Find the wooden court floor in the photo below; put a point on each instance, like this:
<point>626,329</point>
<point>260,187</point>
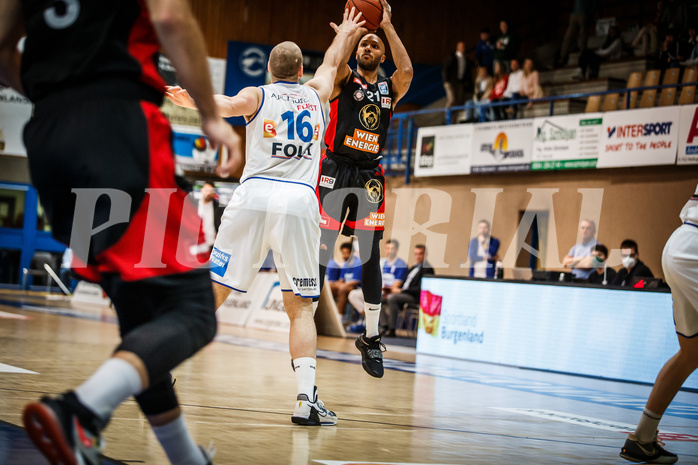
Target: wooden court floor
<point>239,393</point>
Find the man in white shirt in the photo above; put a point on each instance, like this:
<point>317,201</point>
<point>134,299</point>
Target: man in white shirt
<point>513,90</point>
<point>579,257</point>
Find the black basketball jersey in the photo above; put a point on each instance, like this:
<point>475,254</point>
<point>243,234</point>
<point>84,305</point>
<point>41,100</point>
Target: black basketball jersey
<point>360,118</point>
<point>73,42</point>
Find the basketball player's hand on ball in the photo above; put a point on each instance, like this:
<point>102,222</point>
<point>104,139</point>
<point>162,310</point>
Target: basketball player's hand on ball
<point>351,22</point>
<point>387,14</point>
<point>179,96</point>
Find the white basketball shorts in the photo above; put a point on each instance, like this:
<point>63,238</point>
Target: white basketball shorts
<point>680,264</point>
<point>269,214</point>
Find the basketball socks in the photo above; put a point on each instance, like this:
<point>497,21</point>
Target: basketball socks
<point>305,375</point>
<point>178,443</point>
<point>372,313</point>
<point>113,382</point>
<point>647,427</point>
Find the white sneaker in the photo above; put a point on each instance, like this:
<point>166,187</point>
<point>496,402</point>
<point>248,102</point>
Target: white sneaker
<point>312,413</point>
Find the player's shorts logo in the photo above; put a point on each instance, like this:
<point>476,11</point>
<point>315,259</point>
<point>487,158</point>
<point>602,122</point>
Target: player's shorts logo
<point>370,116</point>
<point>374,191</point>
<point>326,181</point>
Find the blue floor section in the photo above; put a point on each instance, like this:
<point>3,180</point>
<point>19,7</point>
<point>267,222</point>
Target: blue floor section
<point>17,449</point>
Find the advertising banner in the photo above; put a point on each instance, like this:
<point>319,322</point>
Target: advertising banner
<point>91,293</point>
<point>444,150</point>
<point>502,146</point>
<point>193,151</point>
<point>639,137</point>
<point>688,136</point>
<point>270,312</point>
<point>239,305</point>
<point>566,142</point>
<point>15,111</point>
<point>519,324</point>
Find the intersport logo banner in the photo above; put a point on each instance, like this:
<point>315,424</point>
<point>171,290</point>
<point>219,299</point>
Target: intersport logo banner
<point>639,137</point>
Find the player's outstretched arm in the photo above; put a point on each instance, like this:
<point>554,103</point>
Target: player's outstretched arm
<point>402,77</point>
<point>341,47</point>
<point>245,103</point>
<point>11,30</point>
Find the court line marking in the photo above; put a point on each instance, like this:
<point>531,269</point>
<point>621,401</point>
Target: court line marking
<point>13,316</point>
<point>592,422</point>
<point>595,396</point>
<point>10,369</point>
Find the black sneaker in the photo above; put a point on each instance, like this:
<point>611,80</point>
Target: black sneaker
<point>371,354</point>
<point>646,452</point>
<point>64,430</point>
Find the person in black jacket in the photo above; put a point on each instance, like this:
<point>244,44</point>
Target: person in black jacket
<point>602,274</point>
<point>457,74</point>
<point>411,288</point>
<point>632,266</point>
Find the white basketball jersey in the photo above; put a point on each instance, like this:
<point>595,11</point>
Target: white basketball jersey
<point>690,210</point>
<point>284,137</point>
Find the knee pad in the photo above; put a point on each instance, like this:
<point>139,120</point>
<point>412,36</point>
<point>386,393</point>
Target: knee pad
<point>158,398</point>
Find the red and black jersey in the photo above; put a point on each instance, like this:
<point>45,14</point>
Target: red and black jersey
<point>360,118</point>
<point>74,42</point>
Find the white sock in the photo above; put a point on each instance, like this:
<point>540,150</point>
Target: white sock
<point>178,443</point>
<point>114,382</point>
<point>647,427</point>
<point>372,313</point>
<point>305,375</point>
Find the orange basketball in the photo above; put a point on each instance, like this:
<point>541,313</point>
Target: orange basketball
<point>371,11</point>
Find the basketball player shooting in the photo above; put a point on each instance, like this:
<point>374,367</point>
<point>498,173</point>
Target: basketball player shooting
<point>275,206</point>
<point>351,178</point>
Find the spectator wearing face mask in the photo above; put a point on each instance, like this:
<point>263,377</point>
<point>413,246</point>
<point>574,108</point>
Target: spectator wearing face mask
<point>632,265</point>
<point>602,273</point>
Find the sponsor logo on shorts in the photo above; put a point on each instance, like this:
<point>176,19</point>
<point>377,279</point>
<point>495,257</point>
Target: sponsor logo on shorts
<point>370,116</point>
<point>219,262</point>
<point>269,128</point>
<point>305,283</point>
<point>375,220</point>
<point>374,191</point>
<point>326,181</point>
<point>362,140</point>
<point>383,88</point>
<point>324,220</point>
<point>386,102</point>
<point>359,95</point>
